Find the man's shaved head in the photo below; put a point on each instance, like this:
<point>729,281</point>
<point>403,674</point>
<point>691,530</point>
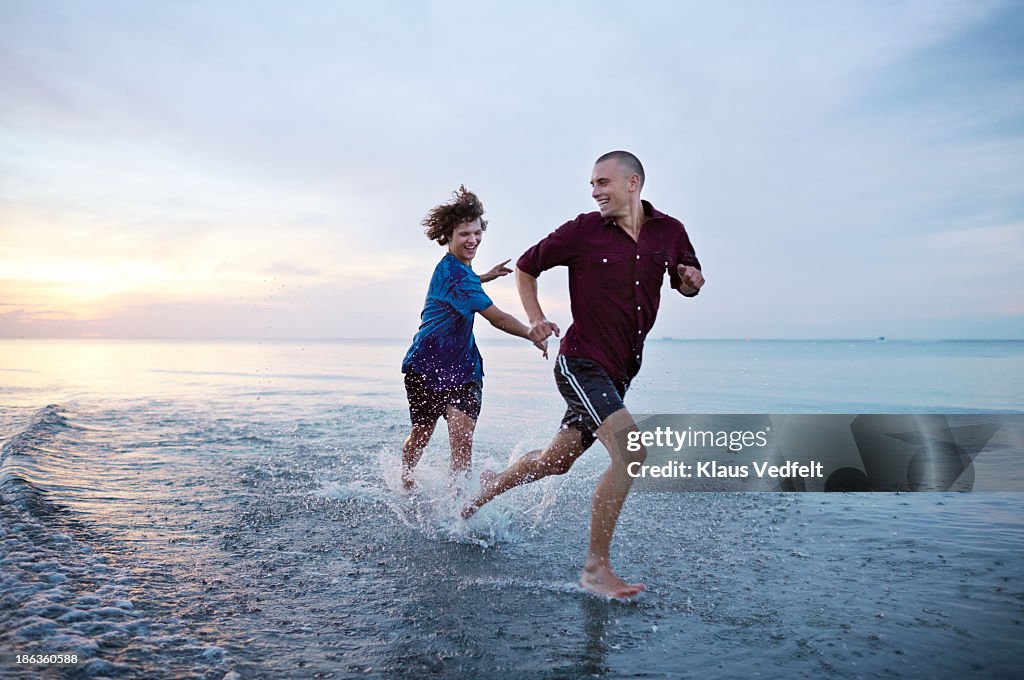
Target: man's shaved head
<point>627,160</point>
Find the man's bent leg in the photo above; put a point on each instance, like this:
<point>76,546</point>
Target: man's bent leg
<point>609,496</point>
<point>556,459</point>
<point>412,450</point>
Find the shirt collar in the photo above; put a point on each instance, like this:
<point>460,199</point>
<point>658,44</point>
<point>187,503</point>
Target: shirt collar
<point>650,210</point>
<point>456,261</point>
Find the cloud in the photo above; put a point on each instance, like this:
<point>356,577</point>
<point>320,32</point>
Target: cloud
<point>199,154</point>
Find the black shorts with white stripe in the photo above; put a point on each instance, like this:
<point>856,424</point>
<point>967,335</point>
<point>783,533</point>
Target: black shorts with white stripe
<point>592,395</point>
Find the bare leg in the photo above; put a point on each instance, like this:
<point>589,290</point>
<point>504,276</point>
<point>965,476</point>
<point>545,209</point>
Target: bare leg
<point>556,459</point>
<point>609,496</point>
<point>412,451</point>
<point>460,434</point>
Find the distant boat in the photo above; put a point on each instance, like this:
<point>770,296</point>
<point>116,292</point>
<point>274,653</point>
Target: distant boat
<point>881,338</point>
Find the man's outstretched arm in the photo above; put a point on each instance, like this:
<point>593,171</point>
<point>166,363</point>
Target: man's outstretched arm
<point>540,328</point>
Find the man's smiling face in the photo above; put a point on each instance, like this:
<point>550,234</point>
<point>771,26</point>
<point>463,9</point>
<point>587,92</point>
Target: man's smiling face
<point>612,187</point>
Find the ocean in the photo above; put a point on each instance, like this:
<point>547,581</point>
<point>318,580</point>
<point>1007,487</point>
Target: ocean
<point>232,510</point>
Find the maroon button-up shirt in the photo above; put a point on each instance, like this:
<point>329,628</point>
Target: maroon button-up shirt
<point>614,283</point>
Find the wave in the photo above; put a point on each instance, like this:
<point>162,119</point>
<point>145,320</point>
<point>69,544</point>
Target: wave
<point>18,466</point>
<point>61,590</point>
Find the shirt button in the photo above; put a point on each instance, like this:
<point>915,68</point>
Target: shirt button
<point>638,257</point>
<point>638,283</point>
<point>604,259</point>
<point>639,332</point>
<point>638,309</point>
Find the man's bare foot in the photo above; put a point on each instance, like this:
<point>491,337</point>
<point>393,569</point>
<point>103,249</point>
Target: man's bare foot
<point>601,580</point>
<point>486,486</point>
<point>408,483</point>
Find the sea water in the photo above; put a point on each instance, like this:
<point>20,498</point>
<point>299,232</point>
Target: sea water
<point>232,509</point>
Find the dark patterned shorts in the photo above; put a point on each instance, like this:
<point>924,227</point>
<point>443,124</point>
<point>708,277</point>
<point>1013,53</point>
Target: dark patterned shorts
<point>427,405</point>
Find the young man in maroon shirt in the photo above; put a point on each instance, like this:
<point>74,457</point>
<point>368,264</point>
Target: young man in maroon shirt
<point>617,259</point>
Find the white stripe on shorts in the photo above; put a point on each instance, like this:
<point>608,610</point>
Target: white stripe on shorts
<point>578,389</point>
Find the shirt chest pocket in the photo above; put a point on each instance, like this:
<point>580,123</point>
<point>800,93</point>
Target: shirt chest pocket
<point>653,266</point>
<point>607,270</point>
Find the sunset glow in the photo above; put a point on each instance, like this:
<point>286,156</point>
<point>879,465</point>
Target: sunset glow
<point>843,170</point>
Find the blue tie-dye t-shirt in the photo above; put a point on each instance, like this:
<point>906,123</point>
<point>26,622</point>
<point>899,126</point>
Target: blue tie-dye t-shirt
<point>444,350</point>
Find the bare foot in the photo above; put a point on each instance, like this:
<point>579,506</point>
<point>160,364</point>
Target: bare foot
<point>601,580</point>
<point>486,486</point>
<point>408,483</point>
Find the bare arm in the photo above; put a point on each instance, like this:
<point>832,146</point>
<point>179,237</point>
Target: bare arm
<point>504,321</point>
<point>540,328</point>
<point>495,272</point>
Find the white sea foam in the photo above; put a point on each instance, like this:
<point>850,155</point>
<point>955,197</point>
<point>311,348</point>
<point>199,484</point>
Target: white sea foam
<point>46,599</point>
<point>433,507</point>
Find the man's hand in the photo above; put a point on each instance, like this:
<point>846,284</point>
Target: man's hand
<point>496,271</point>
<point>543,347</point>
<point>692,279</point>
<point>541,330</point>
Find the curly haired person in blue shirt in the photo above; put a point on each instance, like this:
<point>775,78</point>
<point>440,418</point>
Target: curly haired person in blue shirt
<point>443,368</point>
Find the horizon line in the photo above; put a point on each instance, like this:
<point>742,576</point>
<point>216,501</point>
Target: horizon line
<point>503,340</point>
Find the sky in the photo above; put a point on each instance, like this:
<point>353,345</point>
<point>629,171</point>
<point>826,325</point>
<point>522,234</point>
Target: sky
<point>260,169</point>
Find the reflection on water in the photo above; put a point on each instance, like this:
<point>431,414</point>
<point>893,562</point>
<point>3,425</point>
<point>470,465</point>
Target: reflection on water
<point>189,509</point>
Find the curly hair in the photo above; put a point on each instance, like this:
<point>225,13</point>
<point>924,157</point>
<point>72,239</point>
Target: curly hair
<point>441,221</point>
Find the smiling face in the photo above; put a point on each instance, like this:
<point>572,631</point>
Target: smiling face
<point>465,240</point>
<point>613,188</point>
